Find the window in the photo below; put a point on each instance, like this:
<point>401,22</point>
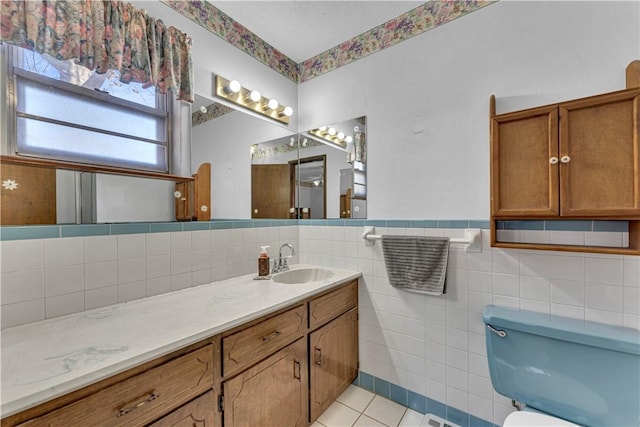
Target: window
<point>64,111</point>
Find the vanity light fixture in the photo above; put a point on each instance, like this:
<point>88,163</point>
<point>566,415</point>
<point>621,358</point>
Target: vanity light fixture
<point>332,135</point>
<point>252,100</point>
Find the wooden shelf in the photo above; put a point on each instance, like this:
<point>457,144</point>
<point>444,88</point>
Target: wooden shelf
<point>45,163</point>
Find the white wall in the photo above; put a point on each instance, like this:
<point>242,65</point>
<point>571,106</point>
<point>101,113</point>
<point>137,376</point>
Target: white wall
<point>426,99</point>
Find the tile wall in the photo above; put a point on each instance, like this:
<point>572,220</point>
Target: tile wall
<point>429,351</point>
<point>44,278</point>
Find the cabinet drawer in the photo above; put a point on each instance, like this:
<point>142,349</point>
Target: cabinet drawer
<point>331,305</point>
<point>199,413</point>
<point>250,345</point>
<point>140,399</point>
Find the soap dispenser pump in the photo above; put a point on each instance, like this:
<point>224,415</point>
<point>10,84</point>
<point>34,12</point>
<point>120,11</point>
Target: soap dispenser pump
<point>263,262</point>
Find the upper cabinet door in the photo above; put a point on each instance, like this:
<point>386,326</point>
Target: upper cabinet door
<point>600,156</point>
<point>524,163</point>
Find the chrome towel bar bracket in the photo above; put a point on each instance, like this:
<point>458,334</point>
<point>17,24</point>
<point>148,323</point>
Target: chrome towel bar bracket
<point>472,239</point>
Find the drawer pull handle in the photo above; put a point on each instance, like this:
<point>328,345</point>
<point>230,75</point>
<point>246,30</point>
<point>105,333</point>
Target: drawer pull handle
<point>269,337</point>
<point>124,411</point>
<point>296,369</point>
<point>553,160</point>
<point>318,356</point>
<point>565,159</point>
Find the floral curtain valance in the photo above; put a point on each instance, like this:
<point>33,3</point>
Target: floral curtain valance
<point>103,35</point>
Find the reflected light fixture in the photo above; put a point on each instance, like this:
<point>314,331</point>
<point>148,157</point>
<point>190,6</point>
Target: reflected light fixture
<point>252,100</point>
<point>332,135</point>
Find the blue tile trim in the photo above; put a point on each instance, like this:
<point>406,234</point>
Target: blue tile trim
<point>85,230</point>
<point>568,225</point>
<point>29,232</point>
<point>615,226</point>
<point>77,230</point>
<point>418,402</point>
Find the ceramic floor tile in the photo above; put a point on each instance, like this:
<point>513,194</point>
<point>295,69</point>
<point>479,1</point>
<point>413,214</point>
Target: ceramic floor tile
<point>385,411</point>
<point>338,415</point>
<point>356,398</point>
<point>411,419</point>
<point>365,421</point>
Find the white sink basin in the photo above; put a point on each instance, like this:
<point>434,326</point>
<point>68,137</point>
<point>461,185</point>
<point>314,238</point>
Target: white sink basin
<point>303,275</point>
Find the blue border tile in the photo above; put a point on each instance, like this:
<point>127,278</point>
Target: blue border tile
<point>381,387</point>
<point>220,225</point>
<point>399,223</point>
<point>457,416</point>
<point>417,402</point>
<point>366,381</point>
<point>398,394</point>
<point>29,232</point>
<point>453,223</point>
<point>423,223</point>
<point>85,230</point>
<point>354,222</point>
<point>614,226</point>
<point>479,422</point>
<point>569,225</point>
<point>375,222</point>
<point>164,227</point>
<point>335,222</point>
<point>137,228</point>
<point>195,226</point>
<point>475,223</point>
<point>436,408</point>
<point>243,224</point>
<point>522,225</point>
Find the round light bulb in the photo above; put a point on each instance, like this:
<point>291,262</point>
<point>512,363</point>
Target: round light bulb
<point>292,141</point>
<point>288,111</point>
<point>340,135</point>
<point>235,86</point>
<point>332,131</point>
<point>349,139</point>
<point>272,104</point>
<point>323,128</point>
<point>203,109</point>
<point>255,96</point>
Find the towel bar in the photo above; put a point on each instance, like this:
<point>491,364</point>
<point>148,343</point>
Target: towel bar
<point>473,238</point>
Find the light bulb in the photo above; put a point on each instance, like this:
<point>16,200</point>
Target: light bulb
<point>234,86</point>
<point>349,139</point>
<point>272,104</point>
<point>288,111</point>
<point>332,131</point>
<point>340,135</point>
<point>322,128</point>
<point>203,109</point>
<point>255,96</point>
<point>292,141</point>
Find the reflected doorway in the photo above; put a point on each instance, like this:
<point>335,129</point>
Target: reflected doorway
<point>312,190</point>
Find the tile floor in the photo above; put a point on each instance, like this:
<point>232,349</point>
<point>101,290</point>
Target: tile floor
<point>359,407</point>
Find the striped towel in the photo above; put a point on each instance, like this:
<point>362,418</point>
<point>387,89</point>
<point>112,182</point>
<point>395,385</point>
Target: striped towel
<point>416,263</point>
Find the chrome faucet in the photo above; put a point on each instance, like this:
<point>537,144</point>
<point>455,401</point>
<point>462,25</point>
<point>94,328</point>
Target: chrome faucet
<point>282,265</point>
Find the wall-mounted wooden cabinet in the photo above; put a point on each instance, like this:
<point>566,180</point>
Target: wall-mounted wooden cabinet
<point>573,160</point>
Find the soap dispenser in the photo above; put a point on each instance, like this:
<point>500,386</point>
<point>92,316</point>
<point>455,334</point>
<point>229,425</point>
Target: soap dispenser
<point>263,262</point>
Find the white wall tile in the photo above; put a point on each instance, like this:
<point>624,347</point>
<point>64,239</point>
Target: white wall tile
<point>131,245</point>
<point>604,297</point>
<point>131,291</point>
<point>158,244</point>
<point>21,255</point>
<point>100,297</point>
<point>22,286</point>
<point>67,251</point>
<point>158,285</point>
<point>180,262</point>
<point>567,292</point>
<point>63,280</point>
<point>604,270</point>
<point>22,312</point>
<point>631,271</point>
<point>506,285</point>
<point>158,266</point>
<point>566,267</point>
<point>64,304</point>
<point>131,270</point>
<point>200,240</point>
<point>536,288</point>
<point>180,242</point>
<point>180,281</point>
<point>100,248</point>
<point>100,274</point>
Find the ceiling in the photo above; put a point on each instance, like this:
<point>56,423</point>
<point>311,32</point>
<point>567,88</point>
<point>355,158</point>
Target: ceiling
<point>303,29</point>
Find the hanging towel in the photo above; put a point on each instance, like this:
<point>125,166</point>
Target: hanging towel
<point>416,263</point>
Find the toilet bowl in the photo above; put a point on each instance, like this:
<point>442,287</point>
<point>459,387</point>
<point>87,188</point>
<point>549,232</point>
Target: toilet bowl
<point>534,419</point>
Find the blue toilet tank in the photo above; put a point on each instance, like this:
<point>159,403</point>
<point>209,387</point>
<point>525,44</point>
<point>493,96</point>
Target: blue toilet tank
<point>584,372</point>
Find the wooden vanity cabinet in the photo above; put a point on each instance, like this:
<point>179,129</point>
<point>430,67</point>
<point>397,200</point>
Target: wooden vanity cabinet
<point>333,346</point>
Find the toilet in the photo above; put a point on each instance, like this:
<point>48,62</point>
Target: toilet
<point>563,371</point>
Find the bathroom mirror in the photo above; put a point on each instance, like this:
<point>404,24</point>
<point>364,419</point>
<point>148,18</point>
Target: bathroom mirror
<point>318,174</point>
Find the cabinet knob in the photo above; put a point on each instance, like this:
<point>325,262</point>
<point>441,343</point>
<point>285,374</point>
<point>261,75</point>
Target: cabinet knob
<point>565,159</point>
<point>553,160</point>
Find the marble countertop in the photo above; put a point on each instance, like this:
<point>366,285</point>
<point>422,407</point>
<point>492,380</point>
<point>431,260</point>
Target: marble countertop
<point>47,359</point>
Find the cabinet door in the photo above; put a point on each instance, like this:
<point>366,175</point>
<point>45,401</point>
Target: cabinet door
<point>524,172</point>
<point>198,413</point>
<point>272,393</point>
<point>333,360</point>
<point>600,156</point>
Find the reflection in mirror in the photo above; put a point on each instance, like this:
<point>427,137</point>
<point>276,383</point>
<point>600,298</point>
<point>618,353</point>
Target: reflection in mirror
<point>344,184</point>
<point>224,137</point>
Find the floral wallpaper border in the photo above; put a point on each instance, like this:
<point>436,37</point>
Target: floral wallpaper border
<point>425,17</point>
<point>214,110</point>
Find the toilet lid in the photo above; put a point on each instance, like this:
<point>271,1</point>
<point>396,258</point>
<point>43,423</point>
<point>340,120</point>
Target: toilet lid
<point>534,419</point>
